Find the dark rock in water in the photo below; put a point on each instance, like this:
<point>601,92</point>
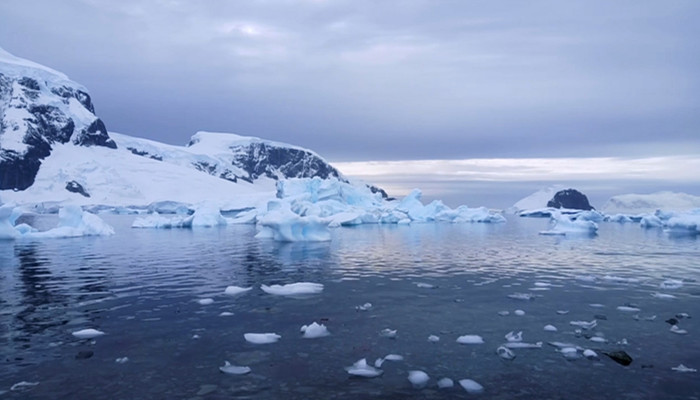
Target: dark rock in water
<point>621,357</point>
<point>672,321</point>
<point>570,198</point>
<point>75,187</point>
<point>83,355</point>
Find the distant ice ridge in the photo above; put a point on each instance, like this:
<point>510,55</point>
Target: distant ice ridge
<point>564,225</point>
<point>205,215</point>
<point>72,222</point>
<point>635,204</point>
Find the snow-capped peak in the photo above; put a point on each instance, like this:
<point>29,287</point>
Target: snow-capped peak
<point>19,66</point>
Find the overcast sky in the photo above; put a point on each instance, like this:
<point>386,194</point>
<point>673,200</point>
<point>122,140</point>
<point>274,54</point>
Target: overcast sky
<point>360,80</point>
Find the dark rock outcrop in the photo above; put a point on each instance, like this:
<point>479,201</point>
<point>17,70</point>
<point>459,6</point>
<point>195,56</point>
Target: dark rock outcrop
<point>75,187</point>
<point>571,199</point>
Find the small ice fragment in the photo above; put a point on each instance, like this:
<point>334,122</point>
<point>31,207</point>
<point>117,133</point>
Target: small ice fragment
<point>445,383</point>
<point>596,305</point>
<point>205,302</point>
<point>225,314</point>
<point>195,336</point>
<point>522,345</point>
<point>503,313</point>
<point>542,284</point>
<point>671,284</point>
<point>663,295</point>
<point>261,338</point>
<point>293,289</point>
<point>682,315</point>
<point>590,354</point>
<point>623,342</point>
<point>234,369</point>
<point>514,337</point>
<point>393,357</point>
<point>364,307</point>
<point>570,353</point>
<point>561,345</point>
<point>471,386</point>
<point>424,285</point>
<point>675,329</point>
<point>550,328</point>
<point>234,290</point>
<point>521,296</point>
<point>637,317</point>
<point>433,338</point>
<point>505,353</point>
<point>121,360</point>
<point>562,312</point>
<point>418,378</point>
<point>87,333</point>
<point>314,331</point>
<point>598,339</point>
<point>24,385</point>
<point>584,324</point>
<point>628,309</point>
<point>360,368</point>
<point>470,339</point>
<point>388,333</point>
<point>519,313</point>
<point>378,362</point>
<point>683,368</point>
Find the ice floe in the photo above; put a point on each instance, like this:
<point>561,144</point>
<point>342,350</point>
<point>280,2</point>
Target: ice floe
<point>87,333</point>
<point>225,314</point>
<point>505,353</point>
<point>445,383</point>
<point>683,368</point>
<point>433,338</point>
<point>471,386</point>
<point>514,337</point>
<point>205,302</point>
<point>236,290</point>
<point>470,339</point>
<point>364,307</point>
<point>671,284</point>
<point>262,338</point>
<point>628,309</point>
<point>361,368</point>
<point>234,369</point>
<point>550,328</point>
<point>522,296</point>
<point>675,329</point>
<point>585,324</point>
<point>663,295</point>
<point>388,333</point>
<point>418,378</point>
<point>21,386</point>
<point>293,289</point>
<point>519,313</point>
<point>590,354</point>
<point>314,331</point>
<point>122,360</point>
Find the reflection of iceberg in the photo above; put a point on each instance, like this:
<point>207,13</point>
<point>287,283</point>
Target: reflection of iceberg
<point>72,222</point>
<point>563,225</point>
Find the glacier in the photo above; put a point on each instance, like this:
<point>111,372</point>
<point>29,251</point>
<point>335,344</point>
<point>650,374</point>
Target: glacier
<point>72,222</point>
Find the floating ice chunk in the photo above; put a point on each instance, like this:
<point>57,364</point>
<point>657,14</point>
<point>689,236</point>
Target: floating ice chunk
<point>503,313</point>
<point>671,284</point>
<point>550,328</point>
<point>514,337</point>
<point>433,338</point>
<point>637,317</point>
<point>235,290</point>
<point>87,333</point>
<point>682,315</point>
<point>314,331</point>
<point>225,314</point>
<point>628,309</point>
<point>585,324</point>
<point>519,313</point>
<point>663,295</point>
<point>521,296</point>
<point>388,333</point>
<point>505,353</point>
<point>293,289</point>
<point>470,339</point>
<point>234,369</point>
<point>523,345</point>
<point>564,225</point>
<point>196,337</point>
<point>675,329</point>
<point>683,368</point>
<point>206,302</point>
<point>561,345</point>
<point>596,305</point>
<point>445,383</point>
<point>570,353</point>
<point>389,357</point>
<point>623,342</point>
<point>360,368</point>
<point>542,284</point>
<point>471,386</point>
<point>262,338</point>
<point>562,312</point>
<point>418,378</point>
<point>121,360</point>
<point>157,221</point>
<point>590,354</point>
<point>207,215</point>
<point>364,307</point>
<point>424,285</point>
<point>283,225</point>
<point>598,339</point>
<point>24,385</point>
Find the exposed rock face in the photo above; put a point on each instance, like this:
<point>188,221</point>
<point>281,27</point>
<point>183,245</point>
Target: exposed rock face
<point>571,199</point>
<point>40,107</point>
<point>75,187</point>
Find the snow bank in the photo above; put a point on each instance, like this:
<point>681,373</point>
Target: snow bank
<point>564,225</point>
<point>72,222</point>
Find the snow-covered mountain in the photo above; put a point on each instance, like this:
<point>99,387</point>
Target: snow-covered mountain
<point>648,203</point>
<point>54,149</point>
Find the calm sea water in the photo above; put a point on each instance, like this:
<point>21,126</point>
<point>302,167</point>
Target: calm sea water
<point>141,288</point>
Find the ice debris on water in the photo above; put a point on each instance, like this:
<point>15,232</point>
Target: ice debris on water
<point>550,328</point>
<point>470,339</point>
<point>628,309</point>
<point>433,338</point>
<point>503,313</point>
<point>234,369</point>
<point>235,290</point>
<point>293,289</point>
<point>663,295</point>
<point>683,368</point>
<point>388,333</point>
<point>418,378</point>
<point>584,324</point>
<point>226,314</point>
<point>521,296</point>
<point>675,329</point>
<point>360,368</point>
<point>262,338</point>
<point>87,333</point>
<point>671,284</point>
<point>121,360</point>
<point>364,307</point>
<point>471,386</point>
<point>514,337</point>
<point>519,313</point>
<point>562,312</point>
<point>205,302</point>
<point>24,385</point>
<point>389,357</point>
<point>523,345</point>
<point>590,354</point>
<point>314,331</point>
<point>424,285</point>
<point>598,339</point>
<point>445,383</point>
<point>570,353</point>
<point>505,353</point>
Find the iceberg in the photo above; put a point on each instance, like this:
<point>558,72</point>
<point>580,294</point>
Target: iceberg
<point>262,338</point>
<point>205,215</point>
<point>360,368</point>
<point>283,225</point>
<point>470,339</point>
<point>72,222</point>
<point>418,378</point>
<point>314,331</point>
<point>445,383</point>
<point>87,333</point>
<point>471,386</point>
<point>563,225</point>
<point>293,289</point>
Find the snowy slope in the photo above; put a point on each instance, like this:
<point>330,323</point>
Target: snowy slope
<point>648,203</point>
<point>536,200</point>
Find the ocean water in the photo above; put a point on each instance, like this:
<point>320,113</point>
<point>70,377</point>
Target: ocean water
<point>141,287</point>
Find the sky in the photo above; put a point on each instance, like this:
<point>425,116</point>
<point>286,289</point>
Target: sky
<point>413,86</point>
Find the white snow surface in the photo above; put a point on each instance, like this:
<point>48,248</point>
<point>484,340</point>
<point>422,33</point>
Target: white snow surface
<point>536,200</point>
<point>293,289</point>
